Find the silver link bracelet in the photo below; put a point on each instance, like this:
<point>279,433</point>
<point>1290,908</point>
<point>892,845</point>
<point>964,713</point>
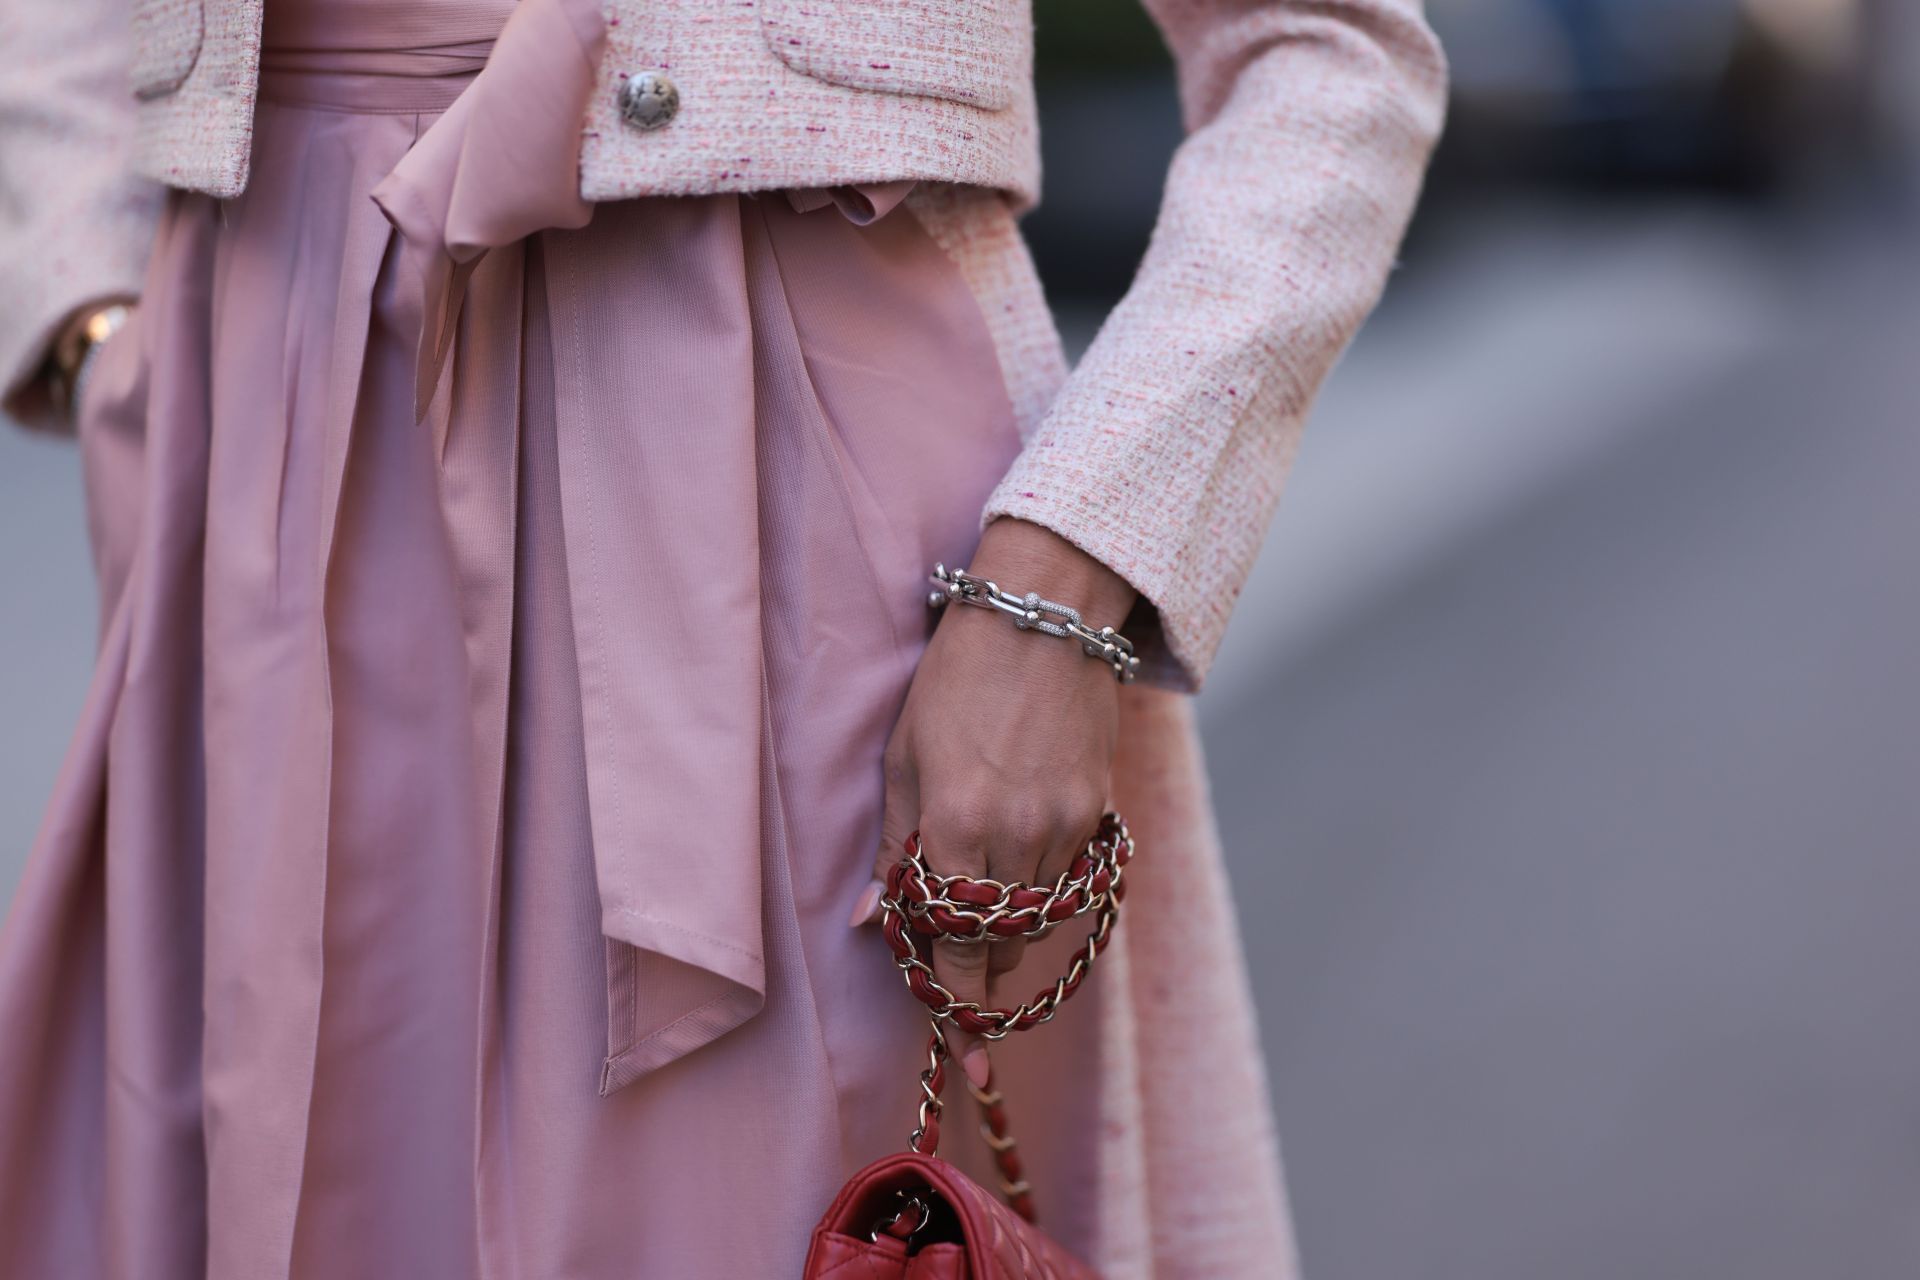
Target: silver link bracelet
<point>1031,613</point>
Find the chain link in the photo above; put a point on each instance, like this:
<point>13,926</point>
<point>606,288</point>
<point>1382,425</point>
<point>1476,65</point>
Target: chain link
<point>1032,613</point>
<point>920,907</point>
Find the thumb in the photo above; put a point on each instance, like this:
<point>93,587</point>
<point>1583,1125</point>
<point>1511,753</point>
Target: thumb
<point>899,815</point>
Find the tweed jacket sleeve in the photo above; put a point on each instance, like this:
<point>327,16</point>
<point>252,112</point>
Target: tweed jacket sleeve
<point>1309,125</point>
<point>75,224</point>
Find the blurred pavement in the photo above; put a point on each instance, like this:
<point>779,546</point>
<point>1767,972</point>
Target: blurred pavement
<point>1575,830</point>
<point>1565,746</point>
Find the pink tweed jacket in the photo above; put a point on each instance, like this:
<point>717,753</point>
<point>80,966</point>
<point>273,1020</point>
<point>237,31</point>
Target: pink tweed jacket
<point>1162,455</point>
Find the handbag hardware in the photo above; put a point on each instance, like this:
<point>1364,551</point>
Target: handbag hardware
<point>920,907</point>
<point>913,1213</point>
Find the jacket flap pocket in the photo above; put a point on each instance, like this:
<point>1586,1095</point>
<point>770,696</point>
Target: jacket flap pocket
<point>166,44</point>
<point>971,51</point>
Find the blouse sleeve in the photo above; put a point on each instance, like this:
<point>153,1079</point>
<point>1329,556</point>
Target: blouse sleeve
<point>76,225</point>
<point>1309,126</point>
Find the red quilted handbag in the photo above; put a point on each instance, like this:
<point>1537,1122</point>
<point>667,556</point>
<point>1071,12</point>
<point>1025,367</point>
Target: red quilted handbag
<point>913,1216</point>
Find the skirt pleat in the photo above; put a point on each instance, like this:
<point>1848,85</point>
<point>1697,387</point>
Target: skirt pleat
<point>312,950</point>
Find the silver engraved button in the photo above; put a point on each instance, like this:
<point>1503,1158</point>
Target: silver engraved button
<point>649,100</point>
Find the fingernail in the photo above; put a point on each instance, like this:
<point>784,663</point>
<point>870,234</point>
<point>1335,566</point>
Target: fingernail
<point>867,909</point>
<point>978,1066</point>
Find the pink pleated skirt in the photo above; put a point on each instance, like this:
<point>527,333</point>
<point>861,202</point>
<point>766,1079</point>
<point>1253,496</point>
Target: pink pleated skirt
<point>309,974</point>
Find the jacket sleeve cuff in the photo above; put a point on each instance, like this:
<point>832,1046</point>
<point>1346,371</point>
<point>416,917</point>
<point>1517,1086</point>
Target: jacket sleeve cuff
<point>1187,591</point>
<point>1144,626</point>
<point>62,266</point>
<point>26,341</point>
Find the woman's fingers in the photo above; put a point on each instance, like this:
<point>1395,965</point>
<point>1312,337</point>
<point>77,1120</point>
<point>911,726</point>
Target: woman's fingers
<point>1028,839</point>
<point>899,815</point>
<point>1065,826</point>
<point>957,830</point>
<point>962,969</point>
<point>1003,958</point>
<point>1015,811</point>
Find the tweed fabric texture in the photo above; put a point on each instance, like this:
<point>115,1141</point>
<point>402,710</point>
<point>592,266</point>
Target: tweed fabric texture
<point>1190,1165</point>
<point>748,120</point>
<point>1189,1162</point>
<point>76,226</point>
<point>969,52</point>
<point>978,229</point>
<point>1164,454</point>
<point>199,135</point>
<point>166,44</point>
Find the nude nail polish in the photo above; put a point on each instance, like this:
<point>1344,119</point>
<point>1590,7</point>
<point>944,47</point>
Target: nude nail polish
<point>978,1066</point>
<point>867,908</point>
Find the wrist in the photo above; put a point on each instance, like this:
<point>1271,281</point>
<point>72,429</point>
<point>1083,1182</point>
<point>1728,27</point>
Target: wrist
<point>84,332</point>
<point>1023,556</point>
<point>86,328</point>
<point>1046,585</point>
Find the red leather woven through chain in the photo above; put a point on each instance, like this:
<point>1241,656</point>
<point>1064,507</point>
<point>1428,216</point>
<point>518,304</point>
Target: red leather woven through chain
<point>922,908</point>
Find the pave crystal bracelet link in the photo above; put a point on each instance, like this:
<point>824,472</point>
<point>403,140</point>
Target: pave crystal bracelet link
<point>1031,613</point>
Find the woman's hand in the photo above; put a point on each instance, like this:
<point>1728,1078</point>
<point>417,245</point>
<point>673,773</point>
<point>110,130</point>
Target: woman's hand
<point>1002,753</point>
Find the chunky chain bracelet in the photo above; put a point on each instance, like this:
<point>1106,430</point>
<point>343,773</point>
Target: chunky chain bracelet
<point>1030,612</point>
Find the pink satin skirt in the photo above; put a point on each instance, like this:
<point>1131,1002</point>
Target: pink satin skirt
<point>311,972</point>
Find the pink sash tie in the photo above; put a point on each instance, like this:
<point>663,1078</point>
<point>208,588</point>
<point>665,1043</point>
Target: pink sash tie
<point>669,651</point>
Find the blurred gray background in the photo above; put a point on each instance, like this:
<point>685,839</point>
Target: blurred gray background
<point>1567,741</point>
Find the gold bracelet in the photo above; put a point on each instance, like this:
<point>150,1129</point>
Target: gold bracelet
<point>73,353</point>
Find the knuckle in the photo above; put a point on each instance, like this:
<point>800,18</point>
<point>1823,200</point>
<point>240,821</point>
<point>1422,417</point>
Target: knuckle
<point>1019,844</point>
<point>1008,833</point>
<point>1084,805</point>
<point>1026,827</point>
<point>963,824</point>
<point>1032,828</point>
